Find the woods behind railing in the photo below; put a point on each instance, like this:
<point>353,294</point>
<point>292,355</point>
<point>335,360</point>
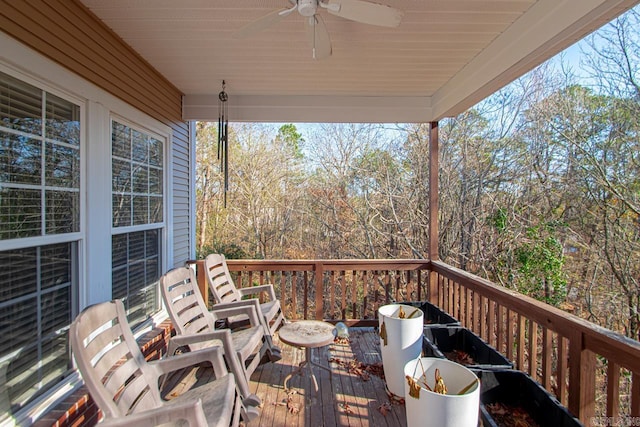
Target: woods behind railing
<point>591,370</point>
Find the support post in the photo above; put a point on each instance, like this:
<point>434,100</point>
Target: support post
<point>433,208</point>
<point>433,190</point>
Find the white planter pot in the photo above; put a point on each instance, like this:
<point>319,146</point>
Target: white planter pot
<point>442,410</point>
<point>403,342</point>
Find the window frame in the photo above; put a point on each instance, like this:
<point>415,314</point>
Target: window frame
<point>162,226</point>
<point>75,238</point>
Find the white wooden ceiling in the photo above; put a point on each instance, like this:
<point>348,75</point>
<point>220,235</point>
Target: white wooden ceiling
<point>445,56</point>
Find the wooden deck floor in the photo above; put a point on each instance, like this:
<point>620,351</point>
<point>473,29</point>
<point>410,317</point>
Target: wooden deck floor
<point>346,400</point>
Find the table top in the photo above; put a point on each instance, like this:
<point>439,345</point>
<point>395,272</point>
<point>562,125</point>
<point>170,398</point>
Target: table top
<point>307,333</point>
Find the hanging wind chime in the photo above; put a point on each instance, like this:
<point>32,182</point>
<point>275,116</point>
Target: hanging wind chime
<point>223,141</point>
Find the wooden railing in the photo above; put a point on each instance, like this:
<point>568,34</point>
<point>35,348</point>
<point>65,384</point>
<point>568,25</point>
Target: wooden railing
<point>593,371</point>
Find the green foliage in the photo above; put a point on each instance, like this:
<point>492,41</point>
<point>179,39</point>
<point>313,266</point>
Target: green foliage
<point>539,262</point>
<point>229,250</point>
<point>499,219</point>
<point>289,135</point>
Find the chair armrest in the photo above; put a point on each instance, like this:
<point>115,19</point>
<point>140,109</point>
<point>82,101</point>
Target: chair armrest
<point>165,365</point>
<point>211,353</point>
<point>249,310</point>
<point>252,290</point>
<point>190,411</point>
<point>223,335</point>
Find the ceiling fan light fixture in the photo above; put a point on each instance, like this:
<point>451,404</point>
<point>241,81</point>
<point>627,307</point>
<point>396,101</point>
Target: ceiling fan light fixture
<point>307,7</point>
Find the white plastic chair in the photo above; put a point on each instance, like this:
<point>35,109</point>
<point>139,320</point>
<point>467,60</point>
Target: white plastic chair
<point>227,295</point>
<point>125,385</point>
<point>195,328</point>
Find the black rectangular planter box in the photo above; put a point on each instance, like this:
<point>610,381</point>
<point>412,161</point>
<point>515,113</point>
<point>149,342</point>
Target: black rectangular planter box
<point>517,389</point>
<point>433,315</point>
<point>445,341</point>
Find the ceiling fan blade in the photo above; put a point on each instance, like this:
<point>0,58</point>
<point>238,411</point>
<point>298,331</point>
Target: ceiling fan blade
<point>318,37</point>
<point>365,12</point>
<point>262,23</point>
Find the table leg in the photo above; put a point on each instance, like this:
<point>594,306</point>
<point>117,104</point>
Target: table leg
<point>307,362</point>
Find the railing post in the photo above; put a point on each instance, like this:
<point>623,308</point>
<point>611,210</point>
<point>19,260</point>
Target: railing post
<point>433,191</point>
<point>582,379</point>
<point>319,276</point>
<point>200,278</point>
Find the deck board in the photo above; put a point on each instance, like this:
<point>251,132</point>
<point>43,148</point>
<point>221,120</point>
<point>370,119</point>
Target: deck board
<point>327,408</point>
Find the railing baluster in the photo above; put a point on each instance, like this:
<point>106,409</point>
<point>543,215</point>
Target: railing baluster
<point>635,394</point>
<point>522,331</point>
<point>533,349</point>
<point>613,389</point>
<point>500,331</point>
<point>510,321</point>
<point>305,303</point>
<point>365,294</point>
<point>283,292</point>
<point>319,290</point>
<point>332,293</point>
<point>354,295</point>
<point>483,318</point>
<point>547,352</point>
<point>561,371</point>
<point>491,323</point>
<point>343,289</point>
<point>294,302</point>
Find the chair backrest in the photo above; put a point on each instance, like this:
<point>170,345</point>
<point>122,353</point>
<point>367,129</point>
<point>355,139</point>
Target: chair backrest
<point>110,361</point>
<point>184,302</point>
<point>219,279</point>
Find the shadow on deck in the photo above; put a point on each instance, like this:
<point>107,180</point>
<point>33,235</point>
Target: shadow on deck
<point>346,400</point>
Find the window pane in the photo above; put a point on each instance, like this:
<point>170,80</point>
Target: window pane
<point>140,179</point>
<point>121,176</point>
<point>20,213</point>
<point>155,209</point>
<point>140,147</point>
<point>19,324</point>
<point>62,120</point>
<point>155,181</point>
<point>20,159</point>
<point>20,105</point>
<point>120,285</point>
<point>119,250</point>
<point>155,152</point>
<point>135,280</point>
<point>140,210</point>
<point>121,140</point>
<point>62,166</point>
<point>136,246</point>
<point>121,210</point>
<point>62,212</point>
<point>56,310</point>
<point>55,263</point>
<point>18,273</point>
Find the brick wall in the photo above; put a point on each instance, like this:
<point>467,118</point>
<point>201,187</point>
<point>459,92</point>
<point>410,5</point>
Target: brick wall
<point>79,409</point>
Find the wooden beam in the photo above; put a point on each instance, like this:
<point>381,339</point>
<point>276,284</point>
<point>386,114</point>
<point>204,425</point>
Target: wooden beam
<point>433,190</point>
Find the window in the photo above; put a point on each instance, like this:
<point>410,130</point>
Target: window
<point>137,177</point>
<point>39,234</point>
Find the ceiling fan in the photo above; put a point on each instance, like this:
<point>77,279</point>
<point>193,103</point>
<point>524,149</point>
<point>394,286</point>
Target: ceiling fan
<point>354,10</point>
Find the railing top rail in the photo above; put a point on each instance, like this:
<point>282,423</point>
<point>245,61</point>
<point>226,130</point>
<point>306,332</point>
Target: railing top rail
<point>329,264</point>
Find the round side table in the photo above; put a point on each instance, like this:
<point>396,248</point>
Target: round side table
<point>307,334</point>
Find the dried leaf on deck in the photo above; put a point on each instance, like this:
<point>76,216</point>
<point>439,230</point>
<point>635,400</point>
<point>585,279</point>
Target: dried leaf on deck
<point>384,408</point>
<point>347,408</point>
